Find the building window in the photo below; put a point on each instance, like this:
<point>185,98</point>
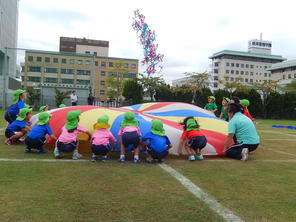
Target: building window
<point>87,62</point>
<point>251,73</point>
<point>242,72</point>
<point>251,80</point>
<point>231,79</point>
<point>215,85</point>
<point>269,75</point>
<point>110,64</point>
<point>247,65</point>
<point>50,70</point>
<point>227,71</point>
<point>39,59</point>
<point>232,71</point>
<point>251,66</point>
<point>55,60</point>
<point>247,73</point>
<point>103,73</point>
<point>102,82</point>
<point>87,52</point>
<point>51,80</point>
<point>47,59</point>
<point>237,72</point>
<point>216,71</point>
<point>134,66</point>
<point>227,63</point>
<point>102,92</point>
<point>68,81</point>
<point>96,63</point>
<point>103,64</point>
<point>284,77</point>
<point>265,67</point>
<point>216,64</point>
<point>265,74</point>
<point>237,65</point>
<point>232,64</point>
<point>82,82</point>
<point>295,75</point>
<point>72,61</point>
<point>95,53</point>
<point>83,72</point>
<point>34,69</point>
<point>242,65</point>
<point>33,79</point>
<point>246,80</point>
<point>30,58</point>
<point>215,77</point>
<point>64,61</point>
<point>126,65</point>
<point>67,71</point>
<point>289,76</point>
<point>79,62</point>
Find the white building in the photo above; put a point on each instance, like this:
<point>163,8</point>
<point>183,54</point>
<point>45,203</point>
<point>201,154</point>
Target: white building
<point>245,67</point>
<point>8,40</point>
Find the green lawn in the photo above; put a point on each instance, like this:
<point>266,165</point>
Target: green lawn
<point>261,189</point>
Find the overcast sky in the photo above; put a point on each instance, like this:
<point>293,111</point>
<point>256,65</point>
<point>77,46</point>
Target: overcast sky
<point>188,32</point>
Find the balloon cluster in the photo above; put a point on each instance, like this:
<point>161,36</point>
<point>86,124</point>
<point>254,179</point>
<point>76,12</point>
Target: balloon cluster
<point>152,59</point>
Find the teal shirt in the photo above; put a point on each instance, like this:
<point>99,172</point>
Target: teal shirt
<point>244,129</point>
<point>211,106</point>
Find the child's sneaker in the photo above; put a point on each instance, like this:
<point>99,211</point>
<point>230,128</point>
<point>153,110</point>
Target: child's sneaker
<point>105,159</point>
<point>42,151</point>
<point>245,154</point>
<point>121,160</point>
<point>93,159</point>
<point>199,157</point>
<point>27,150</point>
<point>57,153</point>
<point>137,161</point>
<point>22,139</point>
<point>75,157</point>
<point>191,158</point>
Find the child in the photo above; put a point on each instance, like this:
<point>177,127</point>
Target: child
<point>67,141</point>
<point>245,103</point>
<point>224,113</point>
<point>37,136</point>
<point>211,106</point>
<point>101,139</point>
<point>129,134</point>
<point>19,127</point>
<point>43,108</point>
<point>17,104</point>
<point>196,139</point>
<point>157,142</point>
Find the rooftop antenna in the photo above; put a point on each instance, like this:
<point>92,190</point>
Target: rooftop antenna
<point>261,36</point>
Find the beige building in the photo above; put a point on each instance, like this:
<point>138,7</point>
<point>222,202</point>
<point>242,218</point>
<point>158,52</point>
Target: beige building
<point>245,67</point>
<point>285,71</point>
<point>73,71</point>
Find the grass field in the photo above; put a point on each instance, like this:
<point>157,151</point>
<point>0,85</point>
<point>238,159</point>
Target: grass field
<point>261,189</point>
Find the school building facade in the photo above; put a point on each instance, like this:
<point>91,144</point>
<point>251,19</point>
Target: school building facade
<point>284,72</point>
<point>46,70</point>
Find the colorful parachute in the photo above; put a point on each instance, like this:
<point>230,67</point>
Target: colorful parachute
<point>170,113</point>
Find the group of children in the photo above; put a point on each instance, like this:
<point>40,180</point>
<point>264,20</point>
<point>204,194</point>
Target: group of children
<point>102,141</point>
<point>212,107</point>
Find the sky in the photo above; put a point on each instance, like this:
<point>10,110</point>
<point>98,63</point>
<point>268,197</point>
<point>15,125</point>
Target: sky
<point>187,31</point>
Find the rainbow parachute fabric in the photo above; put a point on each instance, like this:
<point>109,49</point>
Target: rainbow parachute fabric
<point>170,113</point>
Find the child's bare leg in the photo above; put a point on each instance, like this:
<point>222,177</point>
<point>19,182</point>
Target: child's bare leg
<point>136,154</point>
<point>188,149</point>
<point>17,135</point>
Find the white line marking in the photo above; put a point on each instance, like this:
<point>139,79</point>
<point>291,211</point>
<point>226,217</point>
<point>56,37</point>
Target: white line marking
<point>227,214</point>
<point>293,140</point>
<point>281,152</point>
<point>41,160</point>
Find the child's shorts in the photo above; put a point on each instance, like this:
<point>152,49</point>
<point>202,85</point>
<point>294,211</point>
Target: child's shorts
<point>67,147</point>
<point>9,133</point>
<point>131,138</point>
<point>198,142</point>
<point>35,143</point>
<point>9,117</point>
<point>157,155</point>
<point>100,149</point>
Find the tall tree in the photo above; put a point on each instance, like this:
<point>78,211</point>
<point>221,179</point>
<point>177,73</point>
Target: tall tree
<point>150,84</point>
<point>133,91</point>
<point>231,86</point>
<point>60,96</point>
<point>116,80</point>
<point>291,87</point>
<point>33,97</point>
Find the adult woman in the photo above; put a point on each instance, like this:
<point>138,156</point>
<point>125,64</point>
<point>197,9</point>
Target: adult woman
<point>245,132</point>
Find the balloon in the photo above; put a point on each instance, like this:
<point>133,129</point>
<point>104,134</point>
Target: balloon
<point>170,113</point>
<point>147,38</point>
